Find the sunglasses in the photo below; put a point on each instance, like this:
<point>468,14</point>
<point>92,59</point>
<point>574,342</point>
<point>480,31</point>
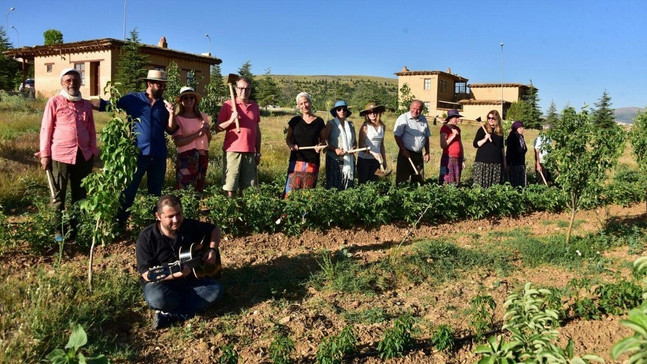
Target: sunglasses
<point>188,97</point>
<point>491,118</point>
<point>341,108</point>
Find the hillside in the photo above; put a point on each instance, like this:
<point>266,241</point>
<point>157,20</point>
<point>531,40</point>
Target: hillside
<point>330,78</point>
<point>626,114</point>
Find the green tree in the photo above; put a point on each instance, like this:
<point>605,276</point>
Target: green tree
<point>527,109</point>
<point>53,36</point>
<point>214,93</point>
<point>552,117</point>
<point>132,66</point>
<point>246,71</point>
<point>582,155</point>
<point>267,91</point>
<point>174,83</point>
<point>638,138</point>
<point>9,68</point>
<point>603,115</point>
<point>406,98</point>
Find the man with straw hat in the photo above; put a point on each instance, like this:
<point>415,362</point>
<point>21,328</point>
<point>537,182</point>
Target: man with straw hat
<point>412,134</point>
<point>155,118</point>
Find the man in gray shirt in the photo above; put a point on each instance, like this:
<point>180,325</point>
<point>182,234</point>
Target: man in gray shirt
<point>412,134</point>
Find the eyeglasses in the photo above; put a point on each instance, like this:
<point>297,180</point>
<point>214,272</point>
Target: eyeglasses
<point>491,118</point>
<point>187,97</point>
<point>373,112</point>
<point>341,108</point>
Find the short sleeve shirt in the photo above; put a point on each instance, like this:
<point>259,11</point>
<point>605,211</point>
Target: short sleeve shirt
<point>414,132</point>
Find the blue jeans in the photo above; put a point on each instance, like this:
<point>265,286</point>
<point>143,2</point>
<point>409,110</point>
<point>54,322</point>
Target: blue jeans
<point>155,168</point>
<point>182,296</point>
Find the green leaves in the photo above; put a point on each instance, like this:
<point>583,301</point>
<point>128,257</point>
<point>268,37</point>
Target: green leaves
<point>78,339</point>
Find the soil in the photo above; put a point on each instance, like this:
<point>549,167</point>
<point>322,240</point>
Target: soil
<point>248,314</point>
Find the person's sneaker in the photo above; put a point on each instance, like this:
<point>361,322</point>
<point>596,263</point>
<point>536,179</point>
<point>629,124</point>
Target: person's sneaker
<point>163,319</point>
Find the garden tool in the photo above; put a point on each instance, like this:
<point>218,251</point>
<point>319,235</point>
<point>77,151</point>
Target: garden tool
<point>382,172</point>
<point>414,167</point>
<point>231,79</point>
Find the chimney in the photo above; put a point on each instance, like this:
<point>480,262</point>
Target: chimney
<point>405,69</point>
<point>449,70</point>
<point>162,43</point>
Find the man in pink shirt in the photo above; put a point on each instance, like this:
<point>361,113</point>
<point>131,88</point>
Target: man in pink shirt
<point>68,144</point>
<point>242,150</point>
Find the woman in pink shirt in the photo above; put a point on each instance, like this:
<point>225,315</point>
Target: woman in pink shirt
<point>192,141</point>
<point>452,161</point>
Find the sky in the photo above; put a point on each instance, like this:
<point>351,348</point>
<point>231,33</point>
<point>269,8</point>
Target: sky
<point>572,51</point>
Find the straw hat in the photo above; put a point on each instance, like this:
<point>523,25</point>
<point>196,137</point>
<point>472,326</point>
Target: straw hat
<point>370,107</point>
<point>156,76</point>
<point>186,90</point>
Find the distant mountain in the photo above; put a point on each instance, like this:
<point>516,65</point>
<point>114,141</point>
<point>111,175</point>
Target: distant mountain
<point>626,114</point>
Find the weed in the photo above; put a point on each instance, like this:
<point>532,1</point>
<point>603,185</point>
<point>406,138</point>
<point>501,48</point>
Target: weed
<point>636,345</point>
<point>331,350</point>
<point>443,338</point>
<point>617,298</point>
<point>371,316</point>
<point>482,314</point>
<point>397,339</point>
<point>281,349</point>
<point>228,355</point>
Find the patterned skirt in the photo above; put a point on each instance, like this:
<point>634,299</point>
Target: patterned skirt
<point>191,169</point>
<point>517,176</point>
<point>487,174</point>
<point>450,170</point>
<point>301,175</point>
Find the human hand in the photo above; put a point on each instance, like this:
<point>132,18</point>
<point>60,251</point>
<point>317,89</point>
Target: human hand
<point>45,163</point>
<point>210,257</point>
<point>170,107</point>
<point>405,153</point>
<point>426,158</point>
<point>234,116</point>
<point>340,151</point>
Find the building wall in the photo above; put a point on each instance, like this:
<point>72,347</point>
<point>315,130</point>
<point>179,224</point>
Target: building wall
<point>511,94</point>
<point>48,83</point>
<point>435,93</point>
<point>472,112</point>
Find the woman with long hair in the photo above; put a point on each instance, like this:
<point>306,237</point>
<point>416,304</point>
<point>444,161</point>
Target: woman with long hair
<point>515,155</point>
<point>490,160</point>
<point>451,161</point>
<point>192,141</point>
<point>305,138</point>
<point>371,135</point>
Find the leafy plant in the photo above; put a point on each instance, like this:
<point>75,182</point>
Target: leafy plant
<point>636,344</point>
<point>482,314</point>
<point>281,349</point>
<point>78,339</point>
<point>331,350</point>
<point>105,187</point>
<point>228,355</point>
<point>443,338</point>
<point>533,331</point>
<point>397,339</point>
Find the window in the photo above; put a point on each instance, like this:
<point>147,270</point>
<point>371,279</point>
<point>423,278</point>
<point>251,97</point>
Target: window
<point>460,88</point>
<point>427,84</point>
<point>190,76</point>
<point>443,85</point>
<point>48,66</point>
<point>81,68</point>
<point>427,106</point>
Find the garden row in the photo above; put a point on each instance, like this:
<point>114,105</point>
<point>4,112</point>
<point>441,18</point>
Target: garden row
<point>371,205</point>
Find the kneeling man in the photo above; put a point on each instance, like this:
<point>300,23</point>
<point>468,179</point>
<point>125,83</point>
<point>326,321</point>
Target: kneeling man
<point>179,295</point>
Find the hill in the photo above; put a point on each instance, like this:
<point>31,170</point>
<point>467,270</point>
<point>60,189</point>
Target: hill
<point>626,114</point>
<point>330,78</point>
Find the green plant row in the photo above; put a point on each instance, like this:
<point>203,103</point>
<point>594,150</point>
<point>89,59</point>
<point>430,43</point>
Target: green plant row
<point>261,209</point>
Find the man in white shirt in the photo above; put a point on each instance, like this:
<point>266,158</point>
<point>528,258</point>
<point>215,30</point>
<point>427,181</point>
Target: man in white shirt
<point>412,134</point>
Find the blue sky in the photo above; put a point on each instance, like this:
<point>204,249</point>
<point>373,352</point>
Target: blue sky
<point>571,50</point>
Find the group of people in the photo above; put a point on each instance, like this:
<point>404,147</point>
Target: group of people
<point>68,147</point>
